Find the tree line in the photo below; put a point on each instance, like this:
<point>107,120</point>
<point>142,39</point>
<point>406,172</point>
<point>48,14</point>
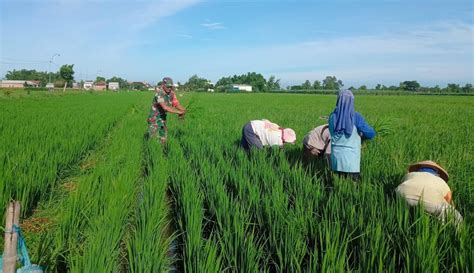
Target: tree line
<point>65,77</point>
<point>332,83</point>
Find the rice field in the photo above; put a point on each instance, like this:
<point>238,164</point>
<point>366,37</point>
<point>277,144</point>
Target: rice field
<point>98,196</point>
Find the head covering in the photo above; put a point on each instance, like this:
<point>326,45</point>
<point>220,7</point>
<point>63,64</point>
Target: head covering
<point>430,164</point>
<point>343,120</point>
<point>428,170</point>
<point>168,82</point>
<point>289,135</point>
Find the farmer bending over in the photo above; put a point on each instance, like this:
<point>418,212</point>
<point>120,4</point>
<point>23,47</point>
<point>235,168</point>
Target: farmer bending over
<point>347,128</point>
<point>164,101</point>
<point>261,133</point>
<point>316,144</point>
<point>426,183</point>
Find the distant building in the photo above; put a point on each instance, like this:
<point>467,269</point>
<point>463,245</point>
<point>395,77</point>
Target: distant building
<point>88,85</point>
<point>76,85</point>
<point>242,87</point>
<point>18,83</point>
<point>114,86</point>
<point>100,86</point>
<point>210,86</point>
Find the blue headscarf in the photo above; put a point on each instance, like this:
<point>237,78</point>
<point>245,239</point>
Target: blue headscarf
<point>343,120</point>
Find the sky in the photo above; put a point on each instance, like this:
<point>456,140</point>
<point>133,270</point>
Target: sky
<point>360,42</point>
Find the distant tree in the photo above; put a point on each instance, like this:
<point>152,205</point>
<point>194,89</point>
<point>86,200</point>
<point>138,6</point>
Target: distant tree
<point>363,87</point>
<point>122,82</point>
<point>195,83</point>
<point>332,83</point>
<point>273,83</point>
<point>317,85</point>
<point>378,86</point>
<point>31,75</point>
<point>99,79</point>
<point>410,85</point>
<point>453,88</point>
<point>352,88</point>
<point>392,87</point>
<point>138,86</point>
<point>67,74</point>
<point>59,83</point>
<point>256,80</point>
<point>296,87</point>
<point>306,85</point>
<point>467,88</point>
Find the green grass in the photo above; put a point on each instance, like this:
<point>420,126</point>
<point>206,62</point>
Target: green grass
<point>222,210</point>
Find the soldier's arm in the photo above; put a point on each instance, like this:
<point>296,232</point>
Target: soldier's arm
<point>180,107</point>
<point>170,109</point>
<point>175,103</point>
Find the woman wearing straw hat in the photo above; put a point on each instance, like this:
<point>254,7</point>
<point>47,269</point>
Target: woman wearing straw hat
<point>260,133</point>
<point>347,129</point>
<point>426,182</point>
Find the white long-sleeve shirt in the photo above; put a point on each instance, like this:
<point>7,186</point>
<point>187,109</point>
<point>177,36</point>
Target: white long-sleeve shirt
<point>268,132</point>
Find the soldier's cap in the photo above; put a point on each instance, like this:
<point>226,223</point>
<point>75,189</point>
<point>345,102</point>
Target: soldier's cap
<point>168,82</point>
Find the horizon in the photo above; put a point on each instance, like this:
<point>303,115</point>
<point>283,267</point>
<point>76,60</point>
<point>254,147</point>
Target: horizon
<point>361,43</point>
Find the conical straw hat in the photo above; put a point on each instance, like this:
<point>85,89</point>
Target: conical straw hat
<point>428,163</point>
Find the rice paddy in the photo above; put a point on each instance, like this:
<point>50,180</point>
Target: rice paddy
<point>98,196</point>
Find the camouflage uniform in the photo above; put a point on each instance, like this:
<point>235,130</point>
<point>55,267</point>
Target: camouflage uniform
<point>157,117</point>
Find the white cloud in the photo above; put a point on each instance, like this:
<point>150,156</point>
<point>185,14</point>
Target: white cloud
<point>185,36</point>
<point>436,53</point>
<point>101,33</point>
<point>158,10</point>
<point>213,25</point>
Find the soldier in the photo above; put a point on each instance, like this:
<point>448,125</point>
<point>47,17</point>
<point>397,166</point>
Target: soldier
<point>164,101</point>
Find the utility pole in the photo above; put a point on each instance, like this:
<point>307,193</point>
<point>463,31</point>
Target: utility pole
<point>50,85</point>
<point>97,74</point>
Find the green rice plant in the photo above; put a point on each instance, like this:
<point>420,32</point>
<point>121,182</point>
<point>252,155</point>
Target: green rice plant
<point>152,236</point>
<point>108,220</point>
<point>43,138</point>
<point>197,254</point>
<point>383,127</point>
<point>258,212</point>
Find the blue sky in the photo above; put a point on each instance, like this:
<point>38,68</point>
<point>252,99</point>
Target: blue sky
<point>359,42</point>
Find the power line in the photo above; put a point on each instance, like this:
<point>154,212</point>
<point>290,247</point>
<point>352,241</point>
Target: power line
<point>23,62</point>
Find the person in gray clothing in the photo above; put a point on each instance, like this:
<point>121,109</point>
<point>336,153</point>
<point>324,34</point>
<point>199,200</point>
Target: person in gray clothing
<point>317,144</point>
